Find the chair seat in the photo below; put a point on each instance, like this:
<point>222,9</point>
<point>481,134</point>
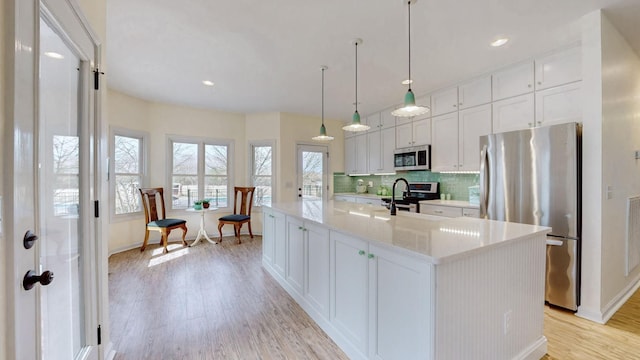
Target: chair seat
<point>167,223</point>
<point>235,217</point>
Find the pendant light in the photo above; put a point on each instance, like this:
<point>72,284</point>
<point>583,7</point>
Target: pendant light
<point>356,125</point>
<point>410,109</point>
<point>323,131</point>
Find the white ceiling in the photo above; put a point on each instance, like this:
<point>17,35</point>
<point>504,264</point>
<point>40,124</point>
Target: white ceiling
<point>266,55</point>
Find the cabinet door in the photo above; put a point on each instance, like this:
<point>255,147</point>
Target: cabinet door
<point>373,121</point>
<point>295,254</point>
<point>280,243</point>
<point>375,151</point>
<point>473,123</point>
<point>386,119</point>
<point>424,100</point>
<point>559,68</point>
<point>388,137</point>
<point>404,135</point>
<point>268,236</point>
<point>474,93</point>
<point>437,210</point>
<point>362,157</point>
<point>559,105</point>
<point>317,284</point>
<point>444,101</point>
<point>367,200</point>
<point>349,283</point>
<point>474,213</point>
<point>403,310</point>
<point>421,130</point>
<point>513,114</point>
<point>513,81</point>
<point>444,149</point>
<point>350,155</point>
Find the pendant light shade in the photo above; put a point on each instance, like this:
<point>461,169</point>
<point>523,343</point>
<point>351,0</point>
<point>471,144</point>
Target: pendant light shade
<point>323,130</point>
<point>409,108</point>
<point>356,125</point>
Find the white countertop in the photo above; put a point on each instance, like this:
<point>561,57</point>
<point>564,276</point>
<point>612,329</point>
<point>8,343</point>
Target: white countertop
<point>454,203</point>
<point>365,195</point>
<point>434,238</point>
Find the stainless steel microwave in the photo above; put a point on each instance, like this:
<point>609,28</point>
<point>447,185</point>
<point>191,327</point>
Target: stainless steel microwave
<point>412,158</point>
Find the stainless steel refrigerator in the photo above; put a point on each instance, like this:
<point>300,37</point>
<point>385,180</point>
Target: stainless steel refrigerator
<point>533,176</point>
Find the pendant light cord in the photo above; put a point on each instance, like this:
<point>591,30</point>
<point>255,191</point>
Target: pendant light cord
<point>322,96</point>
<point>356,76</point>
<point>410,80</point>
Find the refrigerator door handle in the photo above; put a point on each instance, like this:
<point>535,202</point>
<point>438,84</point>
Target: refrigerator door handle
<point>554,242</point>
<point>484,181</point>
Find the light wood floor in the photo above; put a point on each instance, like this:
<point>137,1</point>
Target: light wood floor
<point>216,302</point>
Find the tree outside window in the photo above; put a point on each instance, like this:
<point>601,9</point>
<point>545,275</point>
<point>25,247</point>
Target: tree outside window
<point>262,174</point>
<point>128,174</point>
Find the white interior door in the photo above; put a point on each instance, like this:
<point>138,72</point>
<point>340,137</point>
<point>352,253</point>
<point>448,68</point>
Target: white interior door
<point>312,172</point>
<point>54,300</point>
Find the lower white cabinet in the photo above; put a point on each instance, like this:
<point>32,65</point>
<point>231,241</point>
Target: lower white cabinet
<point>381,300</point>
<point>274,240</point>
<point>295,254</point>
<point>449,210</point>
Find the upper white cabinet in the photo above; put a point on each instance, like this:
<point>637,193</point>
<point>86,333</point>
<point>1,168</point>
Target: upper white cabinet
<point>559,68</point>
<point>350,150</point>
<point>373,121</point>
<point>472,123</point>
<point>474,93</point>
<point>444,101</point>
<point>386,119</point>
<point>382,144</point>
<point>444,150</point>
<point>414,133</point>
<point>362,155</point>
<point>515,113</point>
<point>559,105</point>
<point>513,81</point>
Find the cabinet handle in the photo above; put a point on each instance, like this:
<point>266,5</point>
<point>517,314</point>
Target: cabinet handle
<point>460,104</point>
<point>299,227</point>
<point>361,252</point>
<point>539,122</point>
<point>370,256</point>
<point>530,124</point>
<point>454,105</point>
<point>539,82</point>
<point>437,211</point>
<point>529,85</point>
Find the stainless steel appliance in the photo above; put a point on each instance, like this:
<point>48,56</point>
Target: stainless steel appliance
<point>533,177</point>
<point>418,191</point>
<point>412,158</point>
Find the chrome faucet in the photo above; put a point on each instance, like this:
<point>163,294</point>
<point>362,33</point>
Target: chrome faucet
<point>393,194</point>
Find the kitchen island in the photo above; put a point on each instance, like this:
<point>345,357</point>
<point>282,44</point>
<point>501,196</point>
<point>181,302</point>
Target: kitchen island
<point>411,286</point>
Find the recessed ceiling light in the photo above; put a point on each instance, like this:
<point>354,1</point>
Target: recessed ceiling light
<point>499,42</point>
<point>207,82</point>
<point>407,82</point>
<point>53,55</point>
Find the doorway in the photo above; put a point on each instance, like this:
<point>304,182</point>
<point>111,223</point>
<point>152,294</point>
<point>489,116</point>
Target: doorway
<point>312,172</point>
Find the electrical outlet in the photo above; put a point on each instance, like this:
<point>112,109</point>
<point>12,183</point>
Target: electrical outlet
<point>507,322</point>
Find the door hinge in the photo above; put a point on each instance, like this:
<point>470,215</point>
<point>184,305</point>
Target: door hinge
<point>96,78</point>
<point>96,208</point>
<point>99,335</point>
<point>327,154</point>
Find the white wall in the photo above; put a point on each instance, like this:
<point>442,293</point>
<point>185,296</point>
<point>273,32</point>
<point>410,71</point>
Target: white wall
<point>620,169</point>
<point>3,264</point>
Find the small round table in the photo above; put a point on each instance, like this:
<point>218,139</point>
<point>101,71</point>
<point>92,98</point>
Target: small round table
<point>202,233</point>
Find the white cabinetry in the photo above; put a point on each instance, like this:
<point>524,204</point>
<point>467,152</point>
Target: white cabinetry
<point>515,113</point>
<point>414,133</point>
<point>513,81</point>
<point>559,68</point>
<point>308,262</point>
<point>456,209</point>
<point>444,101</point>
<point>472,123</point>
<point>379,300</point>
<point>474,93</point>
<point>468,212</point>
<point>350,150</point>
<point>444,152</point>
<point>381,145</point>
<point>559,105</point>
<point>274,240</point>
<point>381,120</point>
<point>362,155</point>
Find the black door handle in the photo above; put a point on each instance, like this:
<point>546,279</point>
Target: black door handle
<point>29,239</point>
<point>30,279</point>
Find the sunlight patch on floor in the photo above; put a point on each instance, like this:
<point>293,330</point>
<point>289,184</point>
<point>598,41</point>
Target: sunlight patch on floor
<point>171,255</point>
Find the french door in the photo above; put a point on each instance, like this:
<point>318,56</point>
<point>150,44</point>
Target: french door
<point>52,228</point>
<point>312,172</point>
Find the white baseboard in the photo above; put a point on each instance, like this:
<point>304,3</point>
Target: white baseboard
<point>535,351</point>
<point>613,306</point>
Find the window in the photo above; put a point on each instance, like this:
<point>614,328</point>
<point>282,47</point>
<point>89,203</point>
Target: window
<point>128,169</point>
<point>199,170</point>
<point>262,166</point>
<point>66,175</point>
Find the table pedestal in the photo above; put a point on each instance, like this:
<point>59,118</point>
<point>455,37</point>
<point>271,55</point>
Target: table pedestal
<point>202,232</point>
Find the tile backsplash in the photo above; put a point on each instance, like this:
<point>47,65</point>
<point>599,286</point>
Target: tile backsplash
<point>455,184</point>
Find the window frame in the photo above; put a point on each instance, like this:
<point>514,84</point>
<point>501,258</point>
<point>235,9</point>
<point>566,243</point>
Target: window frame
<point>250,167</point>
<point>143,136</point>
<point>200,142</point>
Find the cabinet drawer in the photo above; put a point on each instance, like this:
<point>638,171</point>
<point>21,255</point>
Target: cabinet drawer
<point>475,213</point>
<point>437,210</point>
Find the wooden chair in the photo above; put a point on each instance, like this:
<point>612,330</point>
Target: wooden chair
<point>239,218</point>
<point>163,225</point>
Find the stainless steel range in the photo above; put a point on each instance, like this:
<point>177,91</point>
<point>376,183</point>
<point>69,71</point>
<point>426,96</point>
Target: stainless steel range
<point>418,191</point>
